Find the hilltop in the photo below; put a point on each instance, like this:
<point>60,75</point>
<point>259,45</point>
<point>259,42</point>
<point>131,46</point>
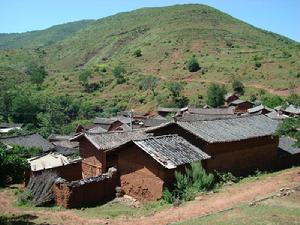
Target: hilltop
<point>167,37</point>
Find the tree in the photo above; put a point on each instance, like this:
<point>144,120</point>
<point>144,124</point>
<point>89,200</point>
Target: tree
<point>137,53</point>
<point>193,65</point>
<point>84,77</point>
<point>215,95</point>
<point>178,99</point>
<point>149,83</point>
<point>37,73</point>
<point>118,71</point>
<point>238,87</point>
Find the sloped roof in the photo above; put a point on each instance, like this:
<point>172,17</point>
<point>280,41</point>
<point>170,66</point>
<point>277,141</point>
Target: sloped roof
<point>287,144</point>
<point>106,121</point>
<point>292,110</point>
<point>171,150</point>
<point>228,95</point>
<point>106,141</point>
<point>168,110</point>
<point>276,116</point>
<point>28,141</point>
<point>234,129</point>
<point>152,122</point>
<point>212,111</point>
<point>259,108</point>
<point>49,161</point>
<point>59,137</point>
<point>196,117</point>
<point>96,130</point>
<point>123,119</point>
<point>239,101</point>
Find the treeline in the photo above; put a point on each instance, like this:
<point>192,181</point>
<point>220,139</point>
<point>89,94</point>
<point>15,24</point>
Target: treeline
<point>43,113</point>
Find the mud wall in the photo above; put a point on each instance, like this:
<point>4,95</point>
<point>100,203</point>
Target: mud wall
<point>70,195</point>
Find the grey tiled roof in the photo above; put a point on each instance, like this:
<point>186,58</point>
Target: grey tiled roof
<point>287,144</point>
<point>152,122</point>
<point>168,110</point>
<point>292,110</point>
<point>196,117</point>
<point>171,150</point>
<point>106,141</point>
<point>212,111</point>
<point>106,121</point>
<point>226,130</point>
<point>259,108</point>
<point>28,141</point>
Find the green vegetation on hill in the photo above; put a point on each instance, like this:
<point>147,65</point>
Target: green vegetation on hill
<point>191,45</point>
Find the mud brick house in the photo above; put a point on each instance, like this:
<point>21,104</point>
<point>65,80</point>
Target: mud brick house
<point>147,165</point>
<point>238,145</point>
<point>92,149</point>
<point>288,153</point>
<point>230,97</point>
<point>241,106</point>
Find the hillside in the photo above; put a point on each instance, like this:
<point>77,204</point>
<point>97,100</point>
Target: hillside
<point>225,47</point>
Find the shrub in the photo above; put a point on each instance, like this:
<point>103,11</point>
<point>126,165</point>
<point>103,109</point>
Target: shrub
<point>238,87</point>
<point>272,101</point>
<point>149,83</point>
<point>84,76</point>
<point>257,64</point>
<point>215,95</point>
<point>137,53</point>
<point>37,73</point>
<point>188,184</point>
<point>193,65</point>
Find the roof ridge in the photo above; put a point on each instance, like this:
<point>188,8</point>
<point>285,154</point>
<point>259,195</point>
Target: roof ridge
<point>157,137</point>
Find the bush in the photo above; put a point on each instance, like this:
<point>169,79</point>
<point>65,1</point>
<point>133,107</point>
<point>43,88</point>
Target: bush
<point>238,87</point>
<point>137,53</point>
<point>193,65</point>
<point>272,101</point>
<point>257,64</point>
<point>215,95</point>
<point>189,184</point>
<point>84,76</point>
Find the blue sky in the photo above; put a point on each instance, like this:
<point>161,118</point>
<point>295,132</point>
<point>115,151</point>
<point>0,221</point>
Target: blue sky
<point>279,16</point>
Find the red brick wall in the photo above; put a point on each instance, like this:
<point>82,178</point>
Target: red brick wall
<point>84,195</point>
<point>93,163</point>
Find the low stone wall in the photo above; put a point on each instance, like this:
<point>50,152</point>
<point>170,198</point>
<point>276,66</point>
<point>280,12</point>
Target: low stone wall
<point>87,191</point>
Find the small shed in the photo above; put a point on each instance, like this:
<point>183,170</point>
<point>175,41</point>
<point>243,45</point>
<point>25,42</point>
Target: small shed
<point>292,110</point>
<point>147,166</point>
<point>230,97</point>
<point>288,152</point>
<point>260,109</point>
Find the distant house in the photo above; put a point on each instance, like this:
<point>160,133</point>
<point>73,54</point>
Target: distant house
<point>6,127</point>
<point>260,109</point>
<point>230,97</point>
<point>238,145</point>
<point>194,114</point>
<point>153,121</point>
<point>28,141</point>
<point>241,106</point>
<point>147,166</point>
<point>92,149</point>
<point>108,124</point>
<point>134,115</point>
<point>62,140</point>
<point>166,111</point>
<point>291,110</point>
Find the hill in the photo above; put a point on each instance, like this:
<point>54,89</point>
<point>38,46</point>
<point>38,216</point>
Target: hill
<point>167,37</point>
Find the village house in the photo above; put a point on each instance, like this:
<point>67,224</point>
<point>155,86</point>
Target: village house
<point>276,115</point>
<point>28,141</point>
<point>230,97</point>
<point>147,166</point>
<point>241,106</point>
<point>108,124</point>
<point>168,111</point>
<point>238,145</point>
<point>260,109</point>
<point>92,149</point>
<point>194,114</point>
<point>153,121</point>
<point>292,111</point>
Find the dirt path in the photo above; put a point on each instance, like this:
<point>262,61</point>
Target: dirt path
<point>230,196</point>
